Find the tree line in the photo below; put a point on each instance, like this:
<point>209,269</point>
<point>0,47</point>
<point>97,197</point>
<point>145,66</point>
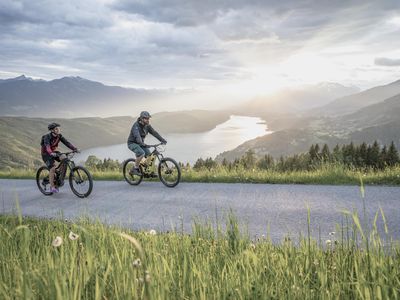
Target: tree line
<point>361,156</point>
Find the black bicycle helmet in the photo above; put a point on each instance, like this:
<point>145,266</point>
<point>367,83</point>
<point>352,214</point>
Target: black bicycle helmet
<point>51,126</point>
<point>145,114</point>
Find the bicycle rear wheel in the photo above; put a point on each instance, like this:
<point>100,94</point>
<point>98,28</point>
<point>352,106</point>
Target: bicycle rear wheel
<point>81,182</point>
<point>43,181</point>
<point>132,179</point>
<point>169,172</point>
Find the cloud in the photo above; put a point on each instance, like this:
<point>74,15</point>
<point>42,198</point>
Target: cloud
<point>387,62</point>
<point>188,43</point>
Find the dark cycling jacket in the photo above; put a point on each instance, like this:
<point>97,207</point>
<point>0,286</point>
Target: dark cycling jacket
<point>50,142</point>
<point>139,132</point>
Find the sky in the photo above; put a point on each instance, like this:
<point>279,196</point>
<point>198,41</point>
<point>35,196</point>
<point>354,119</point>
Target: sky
<point>236,47</point>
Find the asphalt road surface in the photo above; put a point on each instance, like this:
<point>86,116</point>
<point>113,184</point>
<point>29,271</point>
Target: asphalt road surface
<point>260,208</point>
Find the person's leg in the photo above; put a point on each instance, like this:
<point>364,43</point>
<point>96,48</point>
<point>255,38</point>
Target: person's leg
<point>50,163</point>
<point>146,151</point>
<point>63,168</point>
<point>140,153</point>
<point>52,173</point>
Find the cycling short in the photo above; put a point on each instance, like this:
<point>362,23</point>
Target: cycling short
<point>49,160</point>
<point>139,150</point>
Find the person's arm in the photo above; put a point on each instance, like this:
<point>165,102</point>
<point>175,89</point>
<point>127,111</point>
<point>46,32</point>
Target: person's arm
<point>156,134</point>
<point>68,144</point>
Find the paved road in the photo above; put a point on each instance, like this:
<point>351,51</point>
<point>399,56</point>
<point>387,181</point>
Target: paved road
<point>282,208</point>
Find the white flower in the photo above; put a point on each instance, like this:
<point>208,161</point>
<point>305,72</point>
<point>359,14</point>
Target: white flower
<point>253,246</point>
<point>328,242</point>
<point>73,236</point>
<point>332,233</point>
<point>152,232</point>
<point>57,242</point>
<point>137,263</point>
<point>147,277</point>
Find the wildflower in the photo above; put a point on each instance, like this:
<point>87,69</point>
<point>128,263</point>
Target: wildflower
<point>332,233</point>
<point>73,236</point>
<point>152,232</point>
<point>57,242</point>
<point>328,242</point>
<point>253,246</point>
<point>147,277</point>
<point>137,263</point>
<point>316,263</point>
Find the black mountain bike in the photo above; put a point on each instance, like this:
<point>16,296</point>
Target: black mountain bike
<point>80,180</point>
<point>168,170</point>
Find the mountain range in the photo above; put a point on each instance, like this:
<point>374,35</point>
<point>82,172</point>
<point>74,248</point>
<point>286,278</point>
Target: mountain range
<point>74,96</point>
<point>371,115</point>
<point>324,113</point>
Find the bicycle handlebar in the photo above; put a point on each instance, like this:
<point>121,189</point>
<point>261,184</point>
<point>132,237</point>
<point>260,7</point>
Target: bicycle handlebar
<point>67,153</point>
<point>155,145</point>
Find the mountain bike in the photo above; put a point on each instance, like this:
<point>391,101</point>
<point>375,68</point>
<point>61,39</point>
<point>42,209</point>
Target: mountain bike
<point>80,180</point>
<point>168,170</point>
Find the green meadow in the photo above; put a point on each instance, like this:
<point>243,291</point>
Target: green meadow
<point>58,259</point>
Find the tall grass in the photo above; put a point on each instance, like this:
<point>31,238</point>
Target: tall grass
<point>324,174</point>
<point>211,263</point>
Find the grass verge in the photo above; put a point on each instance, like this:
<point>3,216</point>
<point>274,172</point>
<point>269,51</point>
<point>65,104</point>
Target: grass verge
<point>326,174</point>
<point>56,259</point>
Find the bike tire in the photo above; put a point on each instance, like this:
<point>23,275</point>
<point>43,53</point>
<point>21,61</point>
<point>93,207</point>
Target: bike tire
<point>39,181</point>
<point>131,179</point>
<point>171,166</point>
<point>76,177</point>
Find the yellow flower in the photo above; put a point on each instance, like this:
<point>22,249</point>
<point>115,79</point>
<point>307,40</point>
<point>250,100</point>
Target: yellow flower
<point>57,241</point>
<point>73,236</point>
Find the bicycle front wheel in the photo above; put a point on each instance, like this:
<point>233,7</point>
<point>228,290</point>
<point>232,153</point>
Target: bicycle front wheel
<point>43,181</point>
<point>81,182</point>
<point>169,172</point>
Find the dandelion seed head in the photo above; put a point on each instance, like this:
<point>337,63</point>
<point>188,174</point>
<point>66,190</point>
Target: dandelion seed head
<point>57,241</point>
<point>328,242</point>
<point>137,263</point>
<point>152,232</point>
<point>73,236</point>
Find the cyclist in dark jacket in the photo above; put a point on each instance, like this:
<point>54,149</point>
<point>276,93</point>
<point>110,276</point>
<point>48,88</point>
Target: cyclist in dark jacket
<point>49,151</point>
<point>136,139</point>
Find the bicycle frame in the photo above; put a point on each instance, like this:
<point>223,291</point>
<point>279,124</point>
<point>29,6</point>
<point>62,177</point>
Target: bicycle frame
<point>159,156</point>
<point>61,170</point>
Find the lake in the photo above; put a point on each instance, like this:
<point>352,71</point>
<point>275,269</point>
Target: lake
<point>189,147</point>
